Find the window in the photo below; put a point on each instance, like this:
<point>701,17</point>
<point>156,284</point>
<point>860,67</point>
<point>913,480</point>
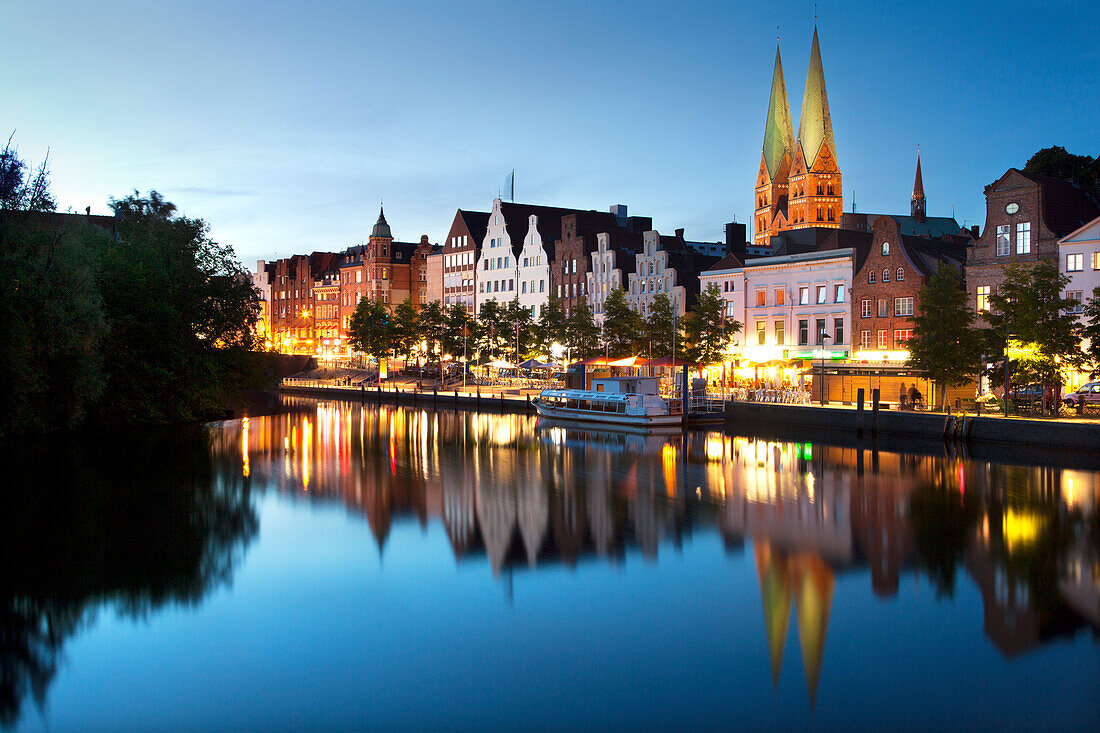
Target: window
<point>884,339</point>
<point>886,276</point>
<point>820,331</point>
<point>730,309</point>
<point>780,333</point>
<point>864,339</point>
<point>983,298</point>
<point>900,275</point>
<point>882,309</point>
<point>760,294</point>
<point>803,296</point>
<point>838,293</point>
<point>1075,262</point>
<point>885,249</point>
<point>1096,260</point>
<point>1003,233</point>
<point>383,273</point>
<point>865,308</point>
<point>820,293</point>
<point>902,335</point>
<point>838,330</point>
<point>523,287</point>
<point>803,332</point>
<point>1077,296</point>
<point>780,297</point>
<point>871,277</point>
<point>903,306</point>
<point>526,260</point>
<point>1023,238</point>
<point>761,332</point>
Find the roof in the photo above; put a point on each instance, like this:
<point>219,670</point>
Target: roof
<point>927,254</point>
<point>918,182</point>
<point>935,227</point>
<point>815,125</point>
<point>1067,206</point>
<point>729,262</point>
<point>778,131</point>
<point>381,227</point>
<point>477,223</point>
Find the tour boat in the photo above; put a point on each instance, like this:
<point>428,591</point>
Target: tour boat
<point>621,401</point>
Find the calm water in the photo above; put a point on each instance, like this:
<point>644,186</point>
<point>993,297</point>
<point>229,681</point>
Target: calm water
<point>339,566</point>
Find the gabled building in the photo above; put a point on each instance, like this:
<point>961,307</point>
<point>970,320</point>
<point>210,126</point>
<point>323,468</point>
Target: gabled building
<point>666,265</point>
<point>1026,215</point>
<point>385,270</point>
<point>1079,260</point>
<point>461,250</point>
<point>610,265</point>
<point>579,239</point>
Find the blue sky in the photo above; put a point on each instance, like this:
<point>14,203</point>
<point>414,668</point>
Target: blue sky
<point>284,124</point>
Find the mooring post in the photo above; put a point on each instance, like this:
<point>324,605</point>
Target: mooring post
<point>874,411</point>
<point>859,412</point>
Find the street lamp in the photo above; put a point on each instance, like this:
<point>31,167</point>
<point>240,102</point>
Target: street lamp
<point>821,336</point>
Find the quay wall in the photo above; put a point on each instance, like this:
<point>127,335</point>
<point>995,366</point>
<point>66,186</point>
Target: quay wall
<point>444,398</point>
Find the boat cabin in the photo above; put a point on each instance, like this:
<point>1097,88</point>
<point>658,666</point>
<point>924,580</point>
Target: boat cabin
<point>625,385</point>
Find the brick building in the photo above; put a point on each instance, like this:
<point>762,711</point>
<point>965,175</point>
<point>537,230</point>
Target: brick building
<point>884,290</point>
<point>330,337</point>
<point>461,250</point>
<point>292,324</point>
<point>572,257</point>
<point>1025,216</point>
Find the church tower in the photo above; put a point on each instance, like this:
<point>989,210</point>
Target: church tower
<point>816,187</point>
<point>775,162</point>
<point>917,208</point>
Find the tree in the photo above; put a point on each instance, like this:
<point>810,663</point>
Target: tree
<point>406,330</point>
<point>945,345</point>
<point>581,334</point>
<point>458,336</point>
<point>1091,333</point>
<point>659,329</point>
<point>622,326</point>
<point>430,319</point>
<point>551,325</point>
<point>518,321</point>
<point>1039,320</point>
<point>1056,162</point>
<point>708,331</point>
<point>492,331</point>
<point>369,329</point>
<point>180,310</point>
<point>20,190</point>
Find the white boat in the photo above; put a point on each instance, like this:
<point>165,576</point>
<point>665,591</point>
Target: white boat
<point>624,401</point>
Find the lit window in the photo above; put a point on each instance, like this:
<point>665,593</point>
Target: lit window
<point>780,333</point>
<point>780,297</point>
<point>1078,296</point>
<point>1075,262</point>
<point>1096,260</point>
<point>864,339</point>
<point>902,335</point>
<point>983,298</point>
<point>884,339</point>
<point>760,295</point>
<point>761,332</point>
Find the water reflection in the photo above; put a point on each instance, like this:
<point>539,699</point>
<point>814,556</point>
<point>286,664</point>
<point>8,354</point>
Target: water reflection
<point>523,498</point>
<point>131,522</point>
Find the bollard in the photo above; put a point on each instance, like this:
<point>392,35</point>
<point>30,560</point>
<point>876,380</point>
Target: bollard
<point>859,412</point>
<point>1080,406</point>
<point>874,413</point>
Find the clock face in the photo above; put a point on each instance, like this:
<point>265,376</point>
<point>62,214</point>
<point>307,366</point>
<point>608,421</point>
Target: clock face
<point>1012,208</point>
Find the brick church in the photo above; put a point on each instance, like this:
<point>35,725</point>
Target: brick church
<point>799,184</point>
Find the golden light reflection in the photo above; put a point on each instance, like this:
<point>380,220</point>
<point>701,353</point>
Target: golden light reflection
<point>1020,529</point>
<point>668,462</point>
<point>244,447</point>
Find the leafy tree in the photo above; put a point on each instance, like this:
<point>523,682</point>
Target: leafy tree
<point>945,344</point>
<point>458,335</point>
<point>551,325</point>
<point>659,328</point>
<point>622,326</point>
<point>406,330</point>
<point>430,319</point>
<point>1091,333</point>
<point>21,190</point>
<point>180,309</point>
<point>1056,162</point>
<point>1044,332</point>
<point>708,332</point>
<point>492,331</point>
<point>370,331</point>
<point>518,320</point>
<point>581,334</point>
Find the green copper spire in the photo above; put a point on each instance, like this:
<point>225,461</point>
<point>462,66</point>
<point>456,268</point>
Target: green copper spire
<point>778,130</point>
<point>815,125</point>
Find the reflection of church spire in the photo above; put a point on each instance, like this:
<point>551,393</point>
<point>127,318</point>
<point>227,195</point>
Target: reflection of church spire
<point>813,600</point>
<point>775,590</point>
<point>533,511</point>
<point>496,514</point>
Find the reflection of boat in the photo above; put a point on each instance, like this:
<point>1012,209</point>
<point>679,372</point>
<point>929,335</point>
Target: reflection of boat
<point>619,401</point>
<point>581,434</point>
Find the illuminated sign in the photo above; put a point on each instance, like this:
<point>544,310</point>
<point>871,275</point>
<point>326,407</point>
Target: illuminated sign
<point>819,354</point>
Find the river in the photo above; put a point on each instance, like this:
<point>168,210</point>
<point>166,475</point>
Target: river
<point>340,566</point>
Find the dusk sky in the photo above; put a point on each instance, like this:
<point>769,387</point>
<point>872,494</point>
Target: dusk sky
<point>284,124</point>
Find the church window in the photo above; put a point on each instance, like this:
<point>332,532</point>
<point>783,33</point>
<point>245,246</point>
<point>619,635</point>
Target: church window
<point>832,215</point>
<point>819,213</point>
<point>829,189</point>
<point>820,191</point>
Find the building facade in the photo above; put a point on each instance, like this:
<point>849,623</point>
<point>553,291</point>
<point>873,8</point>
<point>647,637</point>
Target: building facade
<point>1079,260</point>
<point>665,265</point>
<point>608,270</point>
<point>461,250</point>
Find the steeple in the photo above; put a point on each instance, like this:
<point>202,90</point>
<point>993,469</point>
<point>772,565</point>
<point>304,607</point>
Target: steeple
<point>778,129</point>
<point>381,228</point>
<point>815,126</point>
<point>918,206</point>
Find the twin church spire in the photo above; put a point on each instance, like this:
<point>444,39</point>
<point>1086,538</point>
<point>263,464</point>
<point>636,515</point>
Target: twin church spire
<point>799,183</point>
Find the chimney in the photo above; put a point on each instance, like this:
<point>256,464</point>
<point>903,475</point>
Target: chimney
<point>87,211</point>
<point>974,231</point>
<point>680,233</point>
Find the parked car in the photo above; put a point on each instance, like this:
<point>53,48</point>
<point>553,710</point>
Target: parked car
<point>1025,395</point>
<point>1089,394</point>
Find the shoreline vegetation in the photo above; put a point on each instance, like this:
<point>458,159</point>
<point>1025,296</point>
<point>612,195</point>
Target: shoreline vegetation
<point>136,319</point>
